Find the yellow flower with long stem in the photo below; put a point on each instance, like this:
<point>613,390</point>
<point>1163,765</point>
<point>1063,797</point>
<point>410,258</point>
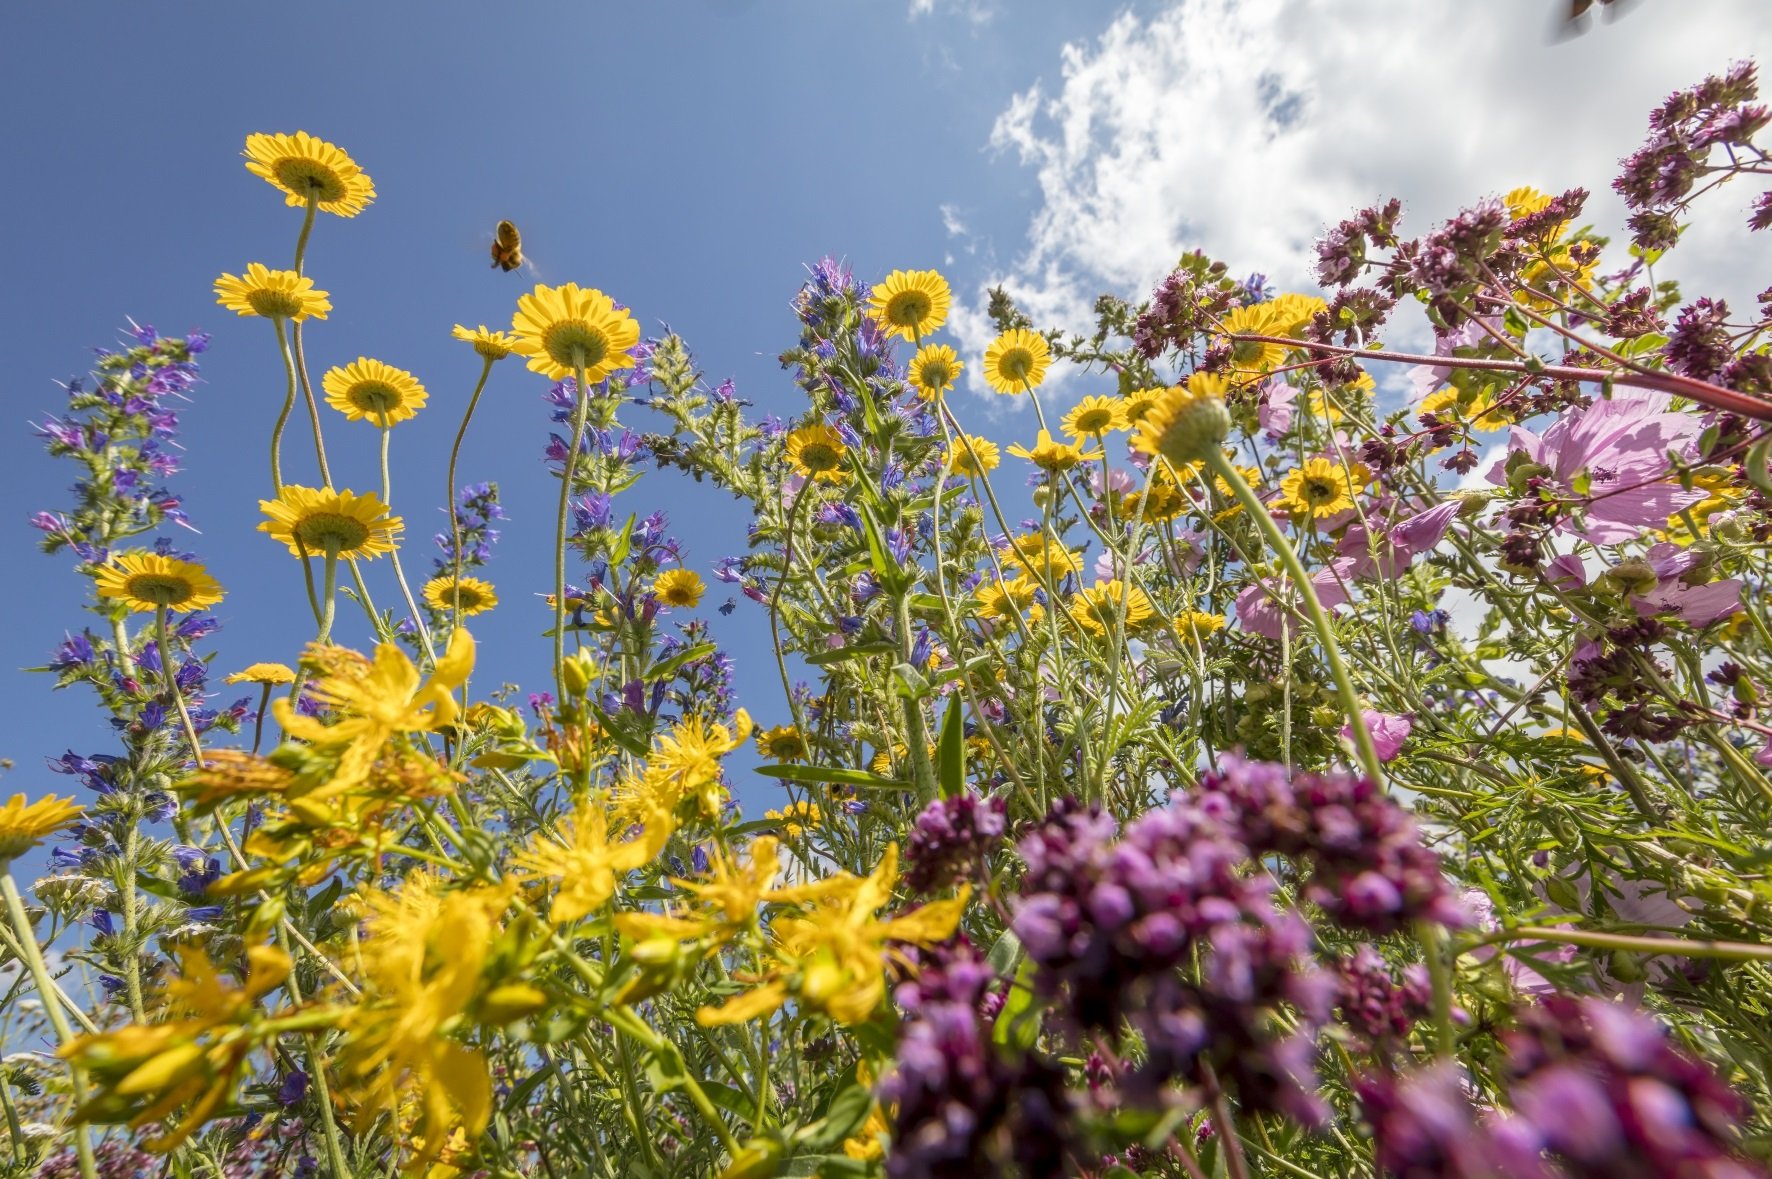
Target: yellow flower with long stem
<point>567,328</point>
<point>488,344</point>
<point>796,818</point>
<point>312,170</point>
<point>1292,313</point>
<point>1194,627</point>
<point>974,456</point>
<point>934,369</point>
<point>272,294</point>
<point>1318,489</point>
<point>313,522</point>
<point>1016,361</point>
<point>833,959</point>
<point>1040,557</point>
<point>1054,457</point>
<point>588,861</point>
<point>1477,410</point>
<point>1003,601</point>
<point>1136,404</point>
<point>262,673</point>
<point>147,582</point>
<point>679,587</point>
<point>781,743</point>
<point>1187,422</point>
<point>370,391</point>
<point>1253,356</point>
<point>1094,416</point>
<point>1110,604</point>
<point>910,304</point>
<point>466,596</point>
<point>817,452</point>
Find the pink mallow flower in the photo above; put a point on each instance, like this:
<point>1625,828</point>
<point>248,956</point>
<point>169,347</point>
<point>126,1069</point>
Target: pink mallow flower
<point>1697,605</point>
<point>1389,730</point>
<point>1621,446</point>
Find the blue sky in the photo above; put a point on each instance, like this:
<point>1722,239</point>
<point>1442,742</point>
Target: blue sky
<point>689,158</point>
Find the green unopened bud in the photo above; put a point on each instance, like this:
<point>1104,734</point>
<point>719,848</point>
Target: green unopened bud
<point>1627,967</point>
<point>576,674</point>
<point>1189,422</point>
<point>1560,890</point>
<point>511,1002</point>
<point>1633,575</point>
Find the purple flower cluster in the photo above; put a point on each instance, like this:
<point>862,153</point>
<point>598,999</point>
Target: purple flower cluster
<point>1596,1090</point>
<point>964,1109</point>
<point>1375,1004</point>
<point>1449,258</point>
<point>1114,924</point>
<point>477,507</point>
<point>1341,253</point>
<point>1657,179</point>
<point>952,840</point>
<point>1368,869</point>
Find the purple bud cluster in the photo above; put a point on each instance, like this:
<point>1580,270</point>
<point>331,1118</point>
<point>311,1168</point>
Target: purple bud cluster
<point>1342,251</point>
<point>1367,867</point>
<point>477,507</point>
<point>952,841</point>
<point>965,1109</point>
<point>1596,1092</point>
<point>1375,1004</point>
<point>1450,257</point>
<point>1112,924</point>
<point>1657,179</point>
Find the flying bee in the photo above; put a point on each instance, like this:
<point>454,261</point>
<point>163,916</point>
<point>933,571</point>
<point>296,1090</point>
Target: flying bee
<point>507,247</point>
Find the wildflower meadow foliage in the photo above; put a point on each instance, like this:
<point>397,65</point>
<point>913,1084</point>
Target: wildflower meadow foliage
<point>1288,756</point>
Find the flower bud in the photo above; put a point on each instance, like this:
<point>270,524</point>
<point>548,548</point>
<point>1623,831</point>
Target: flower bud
<point>511,1002</point>
<point>1188,422</point>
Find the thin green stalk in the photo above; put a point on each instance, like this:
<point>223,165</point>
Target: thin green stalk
<point>328,591</point>
<point>580,406</point>
<point>307,388</point>
<point>288,405</point>
<point>27,938</point>
<point>387,497</point>
<point>307,227</point>
<point>454,512</point>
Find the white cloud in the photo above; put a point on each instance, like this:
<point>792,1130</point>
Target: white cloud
<point>1246,127</point>
<point>976,12</point>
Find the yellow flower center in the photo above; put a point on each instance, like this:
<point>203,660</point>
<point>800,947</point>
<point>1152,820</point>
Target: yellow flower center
<point>160,588</point>
<point>310,178</point>
<point>273,303</point>
<point>1318,490</point>
<point>1016,363</point>
<point>324,529</point>
<point>818,458</point>
<point>374,397</point>
<point>936,374</point>
<point>908,309</point>
<point>463,597</point>
<point>1095,421</point>
<point>575,344</point>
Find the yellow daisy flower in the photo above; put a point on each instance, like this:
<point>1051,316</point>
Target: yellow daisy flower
<point>1002,601</point>
<point>796,818</point>
<point>273,294</point>
<point>1194,627</point>
<point>562,328</point>
<point>23,825</point>
<point>1093,417</point>
<point>1291,313</point>
<point>489,344</point>
<point>1039,556</point>
<point>1524,201</point>
<point>148,581</point>
<point>1252,356</point>
<point>262,673</point>
<point>1136,404</point>
<point>974,456</point>
<point>1161,501</point>
<point>1477,411</point>
<point>679,587</point>
<point>1106,604</point>
<point>910,303</point>
<point>1015,360</point>
<point>307,169</point>
<point>817,453</point>
<point>1317,489</point>
<point>782,743</point>
<point>934,369</point>
<point>1188,421</point>
<point>468,596</point>
<point>373,392</point>
<point>349,524</point>
<point>1053,456</point>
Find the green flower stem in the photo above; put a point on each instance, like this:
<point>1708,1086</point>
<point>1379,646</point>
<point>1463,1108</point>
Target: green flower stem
<point>307,388</point>
<point>288,405</point>
<point>64,1033</point>
<point>787,560</point>
<point>322,1093</point>
<point>916,730</point>
<point>120,645</point>
<point>1313,608</point>
<point>1679,947</point>
<point>580,406</point>
<point>625,1020</point>
<point>307,227</point>
<point>454,512</point>
<point>387,497</point>
<point>328,592</point>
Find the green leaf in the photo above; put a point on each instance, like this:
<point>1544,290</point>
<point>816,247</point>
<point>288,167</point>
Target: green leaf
<point>668,667</point>
<point>624,733</point>
<point>950,752</point>
<point>853,651</point>
<point>619,550</point>
<point>1755,464</point>
<point>1018,1024</point>
<point>792,773</point>
<point>730,1099</point>
<point>1004,953</point>
<point>849,1109</point>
